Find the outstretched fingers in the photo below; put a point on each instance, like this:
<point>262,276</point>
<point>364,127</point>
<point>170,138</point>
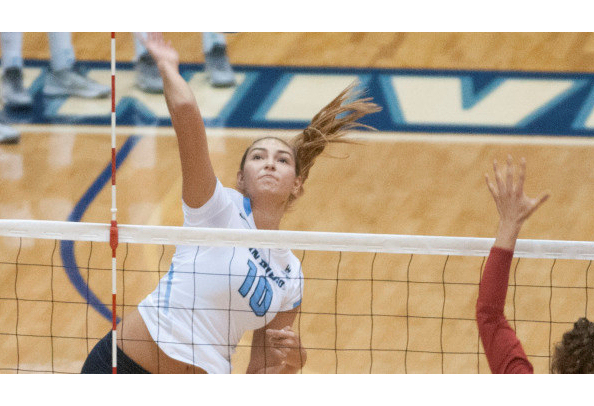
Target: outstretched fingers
<point>491,186</point>
<point>538,201</point>
<point>498,177</point>
<point>508,192</point>
<point>533,205</point>
<point>509,174</point>
<point>519,187</point>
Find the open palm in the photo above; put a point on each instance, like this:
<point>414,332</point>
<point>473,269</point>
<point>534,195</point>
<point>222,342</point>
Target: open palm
<point>513,205</point>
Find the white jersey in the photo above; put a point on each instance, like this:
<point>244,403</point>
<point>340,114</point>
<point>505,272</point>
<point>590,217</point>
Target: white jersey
<point>212,295</point>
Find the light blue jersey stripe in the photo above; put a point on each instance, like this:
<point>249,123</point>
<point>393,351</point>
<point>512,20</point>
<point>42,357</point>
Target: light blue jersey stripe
<point>247,205</point>
<point>168,290</point>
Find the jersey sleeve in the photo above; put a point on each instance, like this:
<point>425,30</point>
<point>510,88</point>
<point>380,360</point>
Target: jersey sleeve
<point>215,213</point>
<point>502,347</point>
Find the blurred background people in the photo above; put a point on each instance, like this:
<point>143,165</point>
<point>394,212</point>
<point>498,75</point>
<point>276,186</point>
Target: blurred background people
<point>62,79</point>
<point>216,64</point>
<point>8,135</point>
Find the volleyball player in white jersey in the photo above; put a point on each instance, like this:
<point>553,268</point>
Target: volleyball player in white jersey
<point>211,296</point>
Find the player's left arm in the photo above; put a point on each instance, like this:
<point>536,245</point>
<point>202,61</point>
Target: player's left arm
<point>276,347</point>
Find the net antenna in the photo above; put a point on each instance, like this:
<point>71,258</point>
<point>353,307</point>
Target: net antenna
<point>113,231</point>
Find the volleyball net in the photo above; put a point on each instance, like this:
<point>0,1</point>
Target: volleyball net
<point>372,303</point>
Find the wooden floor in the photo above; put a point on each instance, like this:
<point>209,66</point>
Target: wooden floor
<point>573,52</point>
<point>392,186</point>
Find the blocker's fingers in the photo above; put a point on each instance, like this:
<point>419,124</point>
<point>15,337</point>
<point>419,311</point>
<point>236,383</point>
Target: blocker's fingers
<point>498,180</point>
<point>521,176</point>
<point>490,186</point>
<point>509,173</point>
<point>538,201</point>
<point>542,198</point>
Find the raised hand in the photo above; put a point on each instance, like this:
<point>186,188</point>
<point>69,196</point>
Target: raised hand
<point>513,205</point>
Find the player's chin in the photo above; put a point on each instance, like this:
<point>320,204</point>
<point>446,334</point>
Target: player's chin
<point>273,193</point>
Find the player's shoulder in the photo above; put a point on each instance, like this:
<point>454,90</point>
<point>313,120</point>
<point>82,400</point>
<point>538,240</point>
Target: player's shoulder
<point>234,194</point>
<point>240,201</point>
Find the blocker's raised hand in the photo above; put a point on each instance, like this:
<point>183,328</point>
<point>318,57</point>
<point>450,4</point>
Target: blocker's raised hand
<point>513,205</point>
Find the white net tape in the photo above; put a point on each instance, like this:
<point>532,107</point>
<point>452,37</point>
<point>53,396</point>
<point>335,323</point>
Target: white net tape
<point>300,240</point>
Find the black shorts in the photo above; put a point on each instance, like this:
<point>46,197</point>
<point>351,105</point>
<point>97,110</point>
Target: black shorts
<point>99,360</point>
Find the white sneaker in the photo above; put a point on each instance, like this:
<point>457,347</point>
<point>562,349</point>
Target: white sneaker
<point>14,94</point>
<point>148,78</point>
<point>68,82</point>
<point>8,135</point>
<point>218,68</point>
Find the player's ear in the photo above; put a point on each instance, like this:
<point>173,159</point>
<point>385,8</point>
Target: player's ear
<point>240,180</point>
<point>297,187</point>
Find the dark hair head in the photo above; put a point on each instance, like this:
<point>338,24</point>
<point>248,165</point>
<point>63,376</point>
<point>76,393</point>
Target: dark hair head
<point>575,353</point>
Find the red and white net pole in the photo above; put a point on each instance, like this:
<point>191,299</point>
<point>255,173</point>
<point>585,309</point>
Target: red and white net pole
<point>113,234</point>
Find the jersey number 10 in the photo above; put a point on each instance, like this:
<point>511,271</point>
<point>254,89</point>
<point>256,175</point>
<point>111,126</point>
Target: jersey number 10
<point>262,296</point>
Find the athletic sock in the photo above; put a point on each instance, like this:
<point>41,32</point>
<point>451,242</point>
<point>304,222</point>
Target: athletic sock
<point>12,50</point>
<point>61,51</point>
<point>139,49</point>
<point>210,39</point>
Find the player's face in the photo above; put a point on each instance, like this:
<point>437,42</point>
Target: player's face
<point>269,170</point>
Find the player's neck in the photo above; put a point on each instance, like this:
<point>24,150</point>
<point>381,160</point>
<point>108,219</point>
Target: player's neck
<point>268,218</point>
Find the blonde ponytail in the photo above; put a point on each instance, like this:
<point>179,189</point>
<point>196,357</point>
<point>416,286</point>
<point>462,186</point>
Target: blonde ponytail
<point>330,125</point>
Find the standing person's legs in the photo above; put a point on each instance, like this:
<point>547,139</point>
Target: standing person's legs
<point>14,95</point>
<point>8,135</point>
<point>148,78</point>
<point>61,51</point>
<point>216,61</point>
<point>63,79</point>
<point>12,44</point>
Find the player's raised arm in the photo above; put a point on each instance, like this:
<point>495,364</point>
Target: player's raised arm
<point>199,180</point>
<point>502,347</point>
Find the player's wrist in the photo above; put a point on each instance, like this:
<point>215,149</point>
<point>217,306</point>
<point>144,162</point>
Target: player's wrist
<point>167,67</point>
<point>509,227</point>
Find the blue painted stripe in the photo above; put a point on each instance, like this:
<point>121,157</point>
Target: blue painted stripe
<point>67,247</point>
<point>236,101</point>
<point>393,105</point>
<point>546,108</point>
<point>273,96</point>
<point>298,303</point>
<point>584,113</point>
